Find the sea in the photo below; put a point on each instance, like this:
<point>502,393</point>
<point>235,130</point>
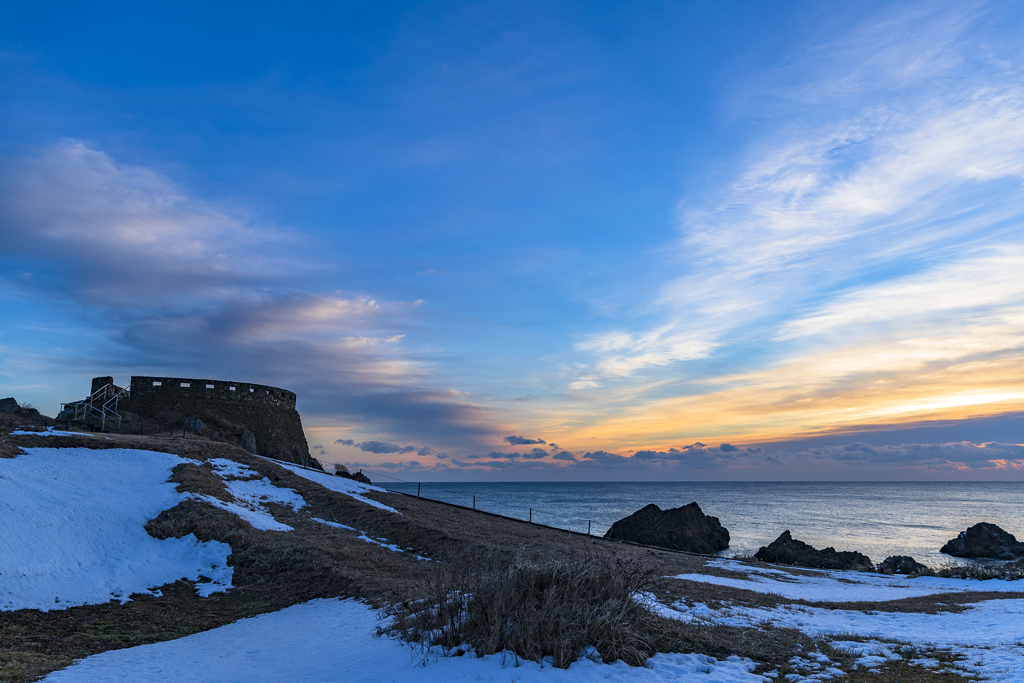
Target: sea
<point>878,519</point>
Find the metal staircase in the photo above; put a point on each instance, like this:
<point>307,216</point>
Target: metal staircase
<point>98,409</point>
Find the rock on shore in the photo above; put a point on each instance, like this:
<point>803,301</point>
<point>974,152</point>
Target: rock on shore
<point>787,550</point>
<point>683,528</point>
<point>903,564</point>
<point>986,541</point>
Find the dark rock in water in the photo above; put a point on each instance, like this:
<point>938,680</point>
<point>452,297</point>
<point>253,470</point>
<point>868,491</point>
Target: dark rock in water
<point>903,564</point>
<point>985,540</point>
<point>684,528</point>
<point>787,550</point>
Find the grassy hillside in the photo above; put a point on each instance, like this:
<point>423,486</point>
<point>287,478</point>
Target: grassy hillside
<point>275,569</point>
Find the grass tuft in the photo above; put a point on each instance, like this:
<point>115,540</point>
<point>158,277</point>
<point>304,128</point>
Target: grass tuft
<point>1008,571</point>
<point>551,610</point>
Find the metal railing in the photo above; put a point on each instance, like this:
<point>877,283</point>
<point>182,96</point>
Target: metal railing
<point>97,407</point>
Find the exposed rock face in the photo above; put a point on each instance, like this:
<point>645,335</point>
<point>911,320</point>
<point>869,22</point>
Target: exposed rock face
<point>903,564</point>
<point>11,408</point>
<point>354,476</point>
<point>249,441</point>
<point>985,540</point>
<point>787,550</point>
<point>684,528</point>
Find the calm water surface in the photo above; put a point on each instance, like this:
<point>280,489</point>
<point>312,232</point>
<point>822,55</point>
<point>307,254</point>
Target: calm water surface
<point>876,518</point>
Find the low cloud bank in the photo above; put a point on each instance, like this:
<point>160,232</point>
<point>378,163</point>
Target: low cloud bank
<point>522,441</point>
<point>726,461</point>
<point>380,447</point>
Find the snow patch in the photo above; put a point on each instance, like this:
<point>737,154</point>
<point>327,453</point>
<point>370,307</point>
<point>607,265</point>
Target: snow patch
<point>259,519</point>
<point>49,431</point>
<point>987,634</point>
<point>229,468</point>
<point>381,542</point>
<point>251,492</point>
<point>824,585</point>
<point>72,529</point>
<point>871,653</point>
<point>349,487</point>
<point>333,640</point>
<point>334,524</point>
<point>364,537</point>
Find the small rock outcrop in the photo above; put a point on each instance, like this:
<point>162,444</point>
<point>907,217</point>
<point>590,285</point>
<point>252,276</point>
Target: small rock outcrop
<point>683,528</point>
<point>985,541</point>
<point>12,414</point>
<point>12,407</point>
<point>787,550</point>
<point>903,564</point>
<point>342,471</point>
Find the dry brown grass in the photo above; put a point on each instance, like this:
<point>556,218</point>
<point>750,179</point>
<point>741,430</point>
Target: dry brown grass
<point>274,570</point>
<point>495,602</point>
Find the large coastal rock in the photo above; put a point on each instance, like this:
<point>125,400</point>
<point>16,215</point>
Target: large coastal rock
<point>903,564</point>
<point>787,550</point>
<point>684,528</point>
<point>986,541</point>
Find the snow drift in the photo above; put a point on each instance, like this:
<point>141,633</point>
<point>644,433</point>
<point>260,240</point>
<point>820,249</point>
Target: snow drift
<point>72,529</point>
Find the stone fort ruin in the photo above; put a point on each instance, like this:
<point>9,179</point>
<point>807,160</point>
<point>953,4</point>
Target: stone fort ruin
<point>260,418</point>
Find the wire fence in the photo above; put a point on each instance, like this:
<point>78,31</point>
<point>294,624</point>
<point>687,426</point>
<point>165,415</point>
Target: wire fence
<point>487,502</point>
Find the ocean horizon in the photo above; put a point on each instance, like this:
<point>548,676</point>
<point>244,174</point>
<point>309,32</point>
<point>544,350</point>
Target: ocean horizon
<point>878,519</point>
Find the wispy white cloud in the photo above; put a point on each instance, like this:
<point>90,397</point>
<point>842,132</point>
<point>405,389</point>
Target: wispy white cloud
<point>881,210</point>
<point>127,234</point>
<point>183,286</point>
<point>975,304</point>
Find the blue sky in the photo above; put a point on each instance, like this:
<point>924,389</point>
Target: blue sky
<point>789,232</point>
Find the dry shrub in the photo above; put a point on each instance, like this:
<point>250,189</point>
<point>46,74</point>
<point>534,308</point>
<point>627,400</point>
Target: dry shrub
<point>496,602</point>
<point>1008,571</point>
<point>9,450</point>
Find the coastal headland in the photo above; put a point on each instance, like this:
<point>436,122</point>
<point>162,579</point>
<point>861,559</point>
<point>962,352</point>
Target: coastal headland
<point>331,537</point>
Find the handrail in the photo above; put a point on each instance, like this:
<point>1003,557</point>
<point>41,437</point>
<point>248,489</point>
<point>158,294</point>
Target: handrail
<point>108,409</point>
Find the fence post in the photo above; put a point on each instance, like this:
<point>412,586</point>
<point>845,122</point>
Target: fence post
<point>531,515</point>
<point>418,490</point>
<point>474,501</point>
<point>588,527</point>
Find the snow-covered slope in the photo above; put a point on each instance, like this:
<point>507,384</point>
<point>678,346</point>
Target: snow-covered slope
<point>332,640</point>
<point>986,635</point>
<point>72,529</point>
<point>349,487</point>
<point>250,492</point>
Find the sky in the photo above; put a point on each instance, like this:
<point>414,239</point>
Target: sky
<point>534,240</point>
